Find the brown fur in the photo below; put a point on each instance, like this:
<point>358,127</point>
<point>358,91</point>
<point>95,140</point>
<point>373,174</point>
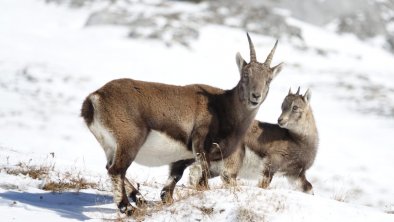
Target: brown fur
<point>195,115</point>
<point>290,149</point>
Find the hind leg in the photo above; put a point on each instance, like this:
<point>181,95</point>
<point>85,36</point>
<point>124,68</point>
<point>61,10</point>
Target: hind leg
<point>302,183</point>
<point>119,192</point>
<point>125,152</point>
<point>120,185</point>
<point>306,185</point>
<point>176,172</point>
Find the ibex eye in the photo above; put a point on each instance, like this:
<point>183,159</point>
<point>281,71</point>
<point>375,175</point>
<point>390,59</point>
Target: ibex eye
<point>295,108</point>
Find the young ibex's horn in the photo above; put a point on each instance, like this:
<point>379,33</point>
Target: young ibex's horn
<point>289,91</point>
<point>298,91</point>
<point>252,51</point>
<point>269,57</point>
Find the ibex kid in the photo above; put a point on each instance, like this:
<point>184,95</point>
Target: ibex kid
<point>288,147</point>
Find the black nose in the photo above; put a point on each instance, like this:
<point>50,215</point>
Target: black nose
<point>256,95</point>
<point>280,120</point>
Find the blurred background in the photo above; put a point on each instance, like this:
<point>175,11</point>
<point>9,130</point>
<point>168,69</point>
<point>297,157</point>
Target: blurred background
<point>370,21</point>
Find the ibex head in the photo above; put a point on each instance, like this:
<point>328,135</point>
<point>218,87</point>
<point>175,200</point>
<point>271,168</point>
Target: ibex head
<point>295,107</point>
<point>256,77</point>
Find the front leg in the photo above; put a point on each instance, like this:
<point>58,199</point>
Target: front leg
<point>231,167</point>
<point>202,162</point>
<point>202,159</point>
<point>267,174</point>
<point>176,172</point>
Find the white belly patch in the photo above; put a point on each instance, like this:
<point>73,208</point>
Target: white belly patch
<point>252,166</point>
<point>160,149</point>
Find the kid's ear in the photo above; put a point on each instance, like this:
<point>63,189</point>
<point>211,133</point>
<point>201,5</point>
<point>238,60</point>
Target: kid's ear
<point>307,96</point>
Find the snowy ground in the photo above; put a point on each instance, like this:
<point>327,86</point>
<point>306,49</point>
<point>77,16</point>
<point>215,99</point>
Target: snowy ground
<point>49,62</point>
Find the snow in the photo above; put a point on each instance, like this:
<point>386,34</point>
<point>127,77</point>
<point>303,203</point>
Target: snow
<point>49,62</point>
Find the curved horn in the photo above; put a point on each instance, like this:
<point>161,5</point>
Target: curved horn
<point>289,91</point>
<point>298,91</point>
<point>251,48</point>
<point>269,57</point>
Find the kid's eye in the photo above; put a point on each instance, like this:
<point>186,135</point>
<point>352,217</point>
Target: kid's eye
<point>295,108</point>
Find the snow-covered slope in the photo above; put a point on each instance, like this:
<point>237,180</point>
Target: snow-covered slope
<point>49,61</point>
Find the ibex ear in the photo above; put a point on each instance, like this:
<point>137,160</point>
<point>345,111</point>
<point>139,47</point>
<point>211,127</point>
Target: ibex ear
<point>276,69</point>
<point>307,96</point>
<point>240,61</point>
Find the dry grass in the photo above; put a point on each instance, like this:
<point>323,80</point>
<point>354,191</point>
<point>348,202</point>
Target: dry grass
<point>184,193</point>
<point>46,172</point>
<point>180,193</point>
<point>278,203</point>
<point>248,215</point>
<point>77,184</point>
<point>141,213</point>
<point>69,181</point>
<point>33,171</point>
<point>205,210</point>
<point>74,180</point>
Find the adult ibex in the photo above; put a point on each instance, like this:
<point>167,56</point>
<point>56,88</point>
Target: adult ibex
<point>288,147</point>
<point>155,124</point>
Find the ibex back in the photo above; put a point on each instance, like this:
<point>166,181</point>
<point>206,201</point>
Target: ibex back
<point>157,124</point>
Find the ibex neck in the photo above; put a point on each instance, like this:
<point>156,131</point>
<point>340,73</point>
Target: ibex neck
<point>234,119</point>
<point>307,133</point>
<point>240,112</point>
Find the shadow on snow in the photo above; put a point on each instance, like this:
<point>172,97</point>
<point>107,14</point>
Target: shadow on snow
<point>66,204</point>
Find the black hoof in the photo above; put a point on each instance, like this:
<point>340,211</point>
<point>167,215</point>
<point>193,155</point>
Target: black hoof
<point>140,201</point>
<point>126,209</point>
<point>202,185</point>
<point>226,179</point>
<point>166,197</point>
